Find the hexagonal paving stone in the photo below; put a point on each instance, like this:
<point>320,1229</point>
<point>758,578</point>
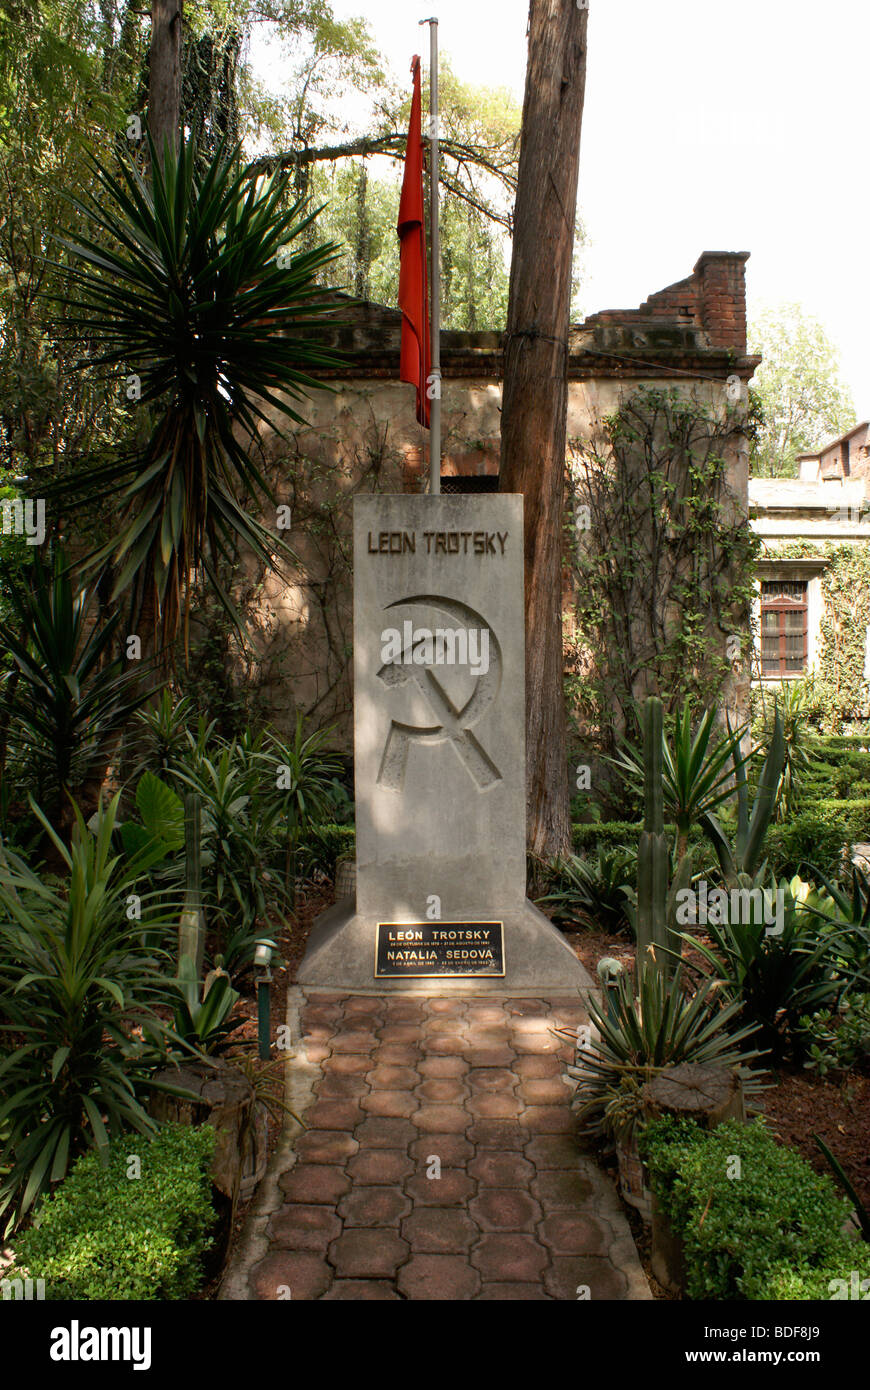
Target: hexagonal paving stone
<point>537,1044</point>
<point>438,1277</point>
<point>442,1090</point>
<point>362,1004</point>
<point>368,1254</point>
<point>491,1056</point>
<point>334,1086</point>
<point>498,1134</point>
<point>304,1276</point>
<point>395,1054</point>
<point>361,1290</point>
<point>347,1064</point>
<point>521,1006</point>
<point>441,1119</point>
<point>531,1066</point>
<point>505,1209</point>
<point>559,1191</point>
<point>299,1227</point>
<point>442,1045</point>
<point>549,1090</point>
<point>373,1206</point>
<point>382,1132</point>
<point>494,1169</point>
<point>442,1067</point>
<point>447,1008</point>
<point>354,1041</point>
<point>453,1150</point>
<point>452,1189</point>
<point>549,1119</point>
<point>567,1275</point>
<point>334,1114</point>
<point>399,1033</point>
<point>510,1258</point>
<point>439,1231</point>
<point>390,1104</point>
<point>491,1079</point>
<point>381,1167</point>
<point>500,1106</point>
<point>574,1233</point>
<point>386,1078</point>
<point>326,1146</point>
<point>554,1151</point>
<point>314,1182</point>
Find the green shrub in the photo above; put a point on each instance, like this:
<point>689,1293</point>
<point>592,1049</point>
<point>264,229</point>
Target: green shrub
<point>106,1235</point>
<point>322,845</point>
<point>768,1227</point>
<point>811,843</point>
<point>591,891</point>
<point>838,1041</point>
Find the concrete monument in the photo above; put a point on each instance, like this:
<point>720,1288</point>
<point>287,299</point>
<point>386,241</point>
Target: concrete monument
<point>439,742</point>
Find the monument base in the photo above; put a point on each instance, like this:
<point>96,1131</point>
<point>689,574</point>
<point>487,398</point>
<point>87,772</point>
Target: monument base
<point>341,956</point>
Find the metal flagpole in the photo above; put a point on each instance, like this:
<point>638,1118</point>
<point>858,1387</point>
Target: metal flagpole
<point>434,389</point>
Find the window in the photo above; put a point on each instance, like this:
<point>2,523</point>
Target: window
<point>783,627</point>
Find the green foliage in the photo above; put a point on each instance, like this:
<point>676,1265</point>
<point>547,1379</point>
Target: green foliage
<point>655,485</point>
<point>650,1024</point>
<point>803,399</point>
<point>105,1235</point>
<point>68,692</point>
<point>743,855</point>
<point>838,1041</point>
<point>590,891</point>
<point>770,1230</point>
<point>194,284</point>
<point>811,843</point>
<point>76,987</point>
<point>322,845</point>
<point>773,976</point>
<point>205,1024</point>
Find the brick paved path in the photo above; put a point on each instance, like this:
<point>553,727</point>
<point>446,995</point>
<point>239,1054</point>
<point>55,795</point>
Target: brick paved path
<point>438,1161</point>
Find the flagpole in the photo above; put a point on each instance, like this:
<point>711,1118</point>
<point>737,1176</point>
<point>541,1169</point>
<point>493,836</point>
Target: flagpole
<point>435,278</point>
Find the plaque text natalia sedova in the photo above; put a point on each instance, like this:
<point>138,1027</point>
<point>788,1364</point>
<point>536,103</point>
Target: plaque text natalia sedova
<point>439,948</point>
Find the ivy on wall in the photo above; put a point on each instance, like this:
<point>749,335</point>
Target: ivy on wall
<point>840,691</point>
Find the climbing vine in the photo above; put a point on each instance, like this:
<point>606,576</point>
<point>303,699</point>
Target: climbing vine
<point>661,556</point>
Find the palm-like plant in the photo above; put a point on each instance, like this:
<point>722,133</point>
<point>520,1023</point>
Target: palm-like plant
<point>196,285</point>
<point>697,776</point>
<point>68,690</point>
<point>78,993</point>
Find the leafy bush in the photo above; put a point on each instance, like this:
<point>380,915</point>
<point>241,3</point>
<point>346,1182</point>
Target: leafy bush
<point>768,1228</point>
<point>75,982</point>
<point>322,845</point>
<point>591,891</point>
<point>812,842</point>
<point>106,1235</point>
<point>650,1024</point>
<point>838,1041</point>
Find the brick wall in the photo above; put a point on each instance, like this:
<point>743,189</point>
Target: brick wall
<point>712,298</point>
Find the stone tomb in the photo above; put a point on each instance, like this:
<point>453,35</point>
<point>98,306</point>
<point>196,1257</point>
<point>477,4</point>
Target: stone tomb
<point>439,742</point>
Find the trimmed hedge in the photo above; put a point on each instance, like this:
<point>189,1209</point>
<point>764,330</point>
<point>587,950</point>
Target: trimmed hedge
<point>756,1221</point>
<point>104,1234</point>
<point>323,845</point>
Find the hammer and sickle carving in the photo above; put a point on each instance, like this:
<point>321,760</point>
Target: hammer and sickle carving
<point>454,725</point>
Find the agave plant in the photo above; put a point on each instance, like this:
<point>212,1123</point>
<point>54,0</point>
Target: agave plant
<point>743,856</point>
<point>650,1024</point>
<point>79,993</point>
<point>69,689</point>
<point>193,282</point>
<point>595,892</point>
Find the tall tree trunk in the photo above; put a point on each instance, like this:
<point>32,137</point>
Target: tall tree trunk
<point>534,412</point>
<point>164,77</point>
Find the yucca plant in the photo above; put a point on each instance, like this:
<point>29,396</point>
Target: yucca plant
<point>303,770</point>
<point>78,995</point>
<point>649,1024</point>
<point>197,286</point>
<point>70,689</point>
<point>697,774</point>
<point>743,855</point>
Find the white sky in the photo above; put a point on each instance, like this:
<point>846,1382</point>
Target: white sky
<point>733,126</point>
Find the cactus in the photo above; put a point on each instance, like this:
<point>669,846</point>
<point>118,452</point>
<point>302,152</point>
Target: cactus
<point>191,928</point>
<point>656,895</point>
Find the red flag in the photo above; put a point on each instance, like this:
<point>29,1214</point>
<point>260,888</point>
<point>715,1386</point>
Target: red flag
<point>413,280</point>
